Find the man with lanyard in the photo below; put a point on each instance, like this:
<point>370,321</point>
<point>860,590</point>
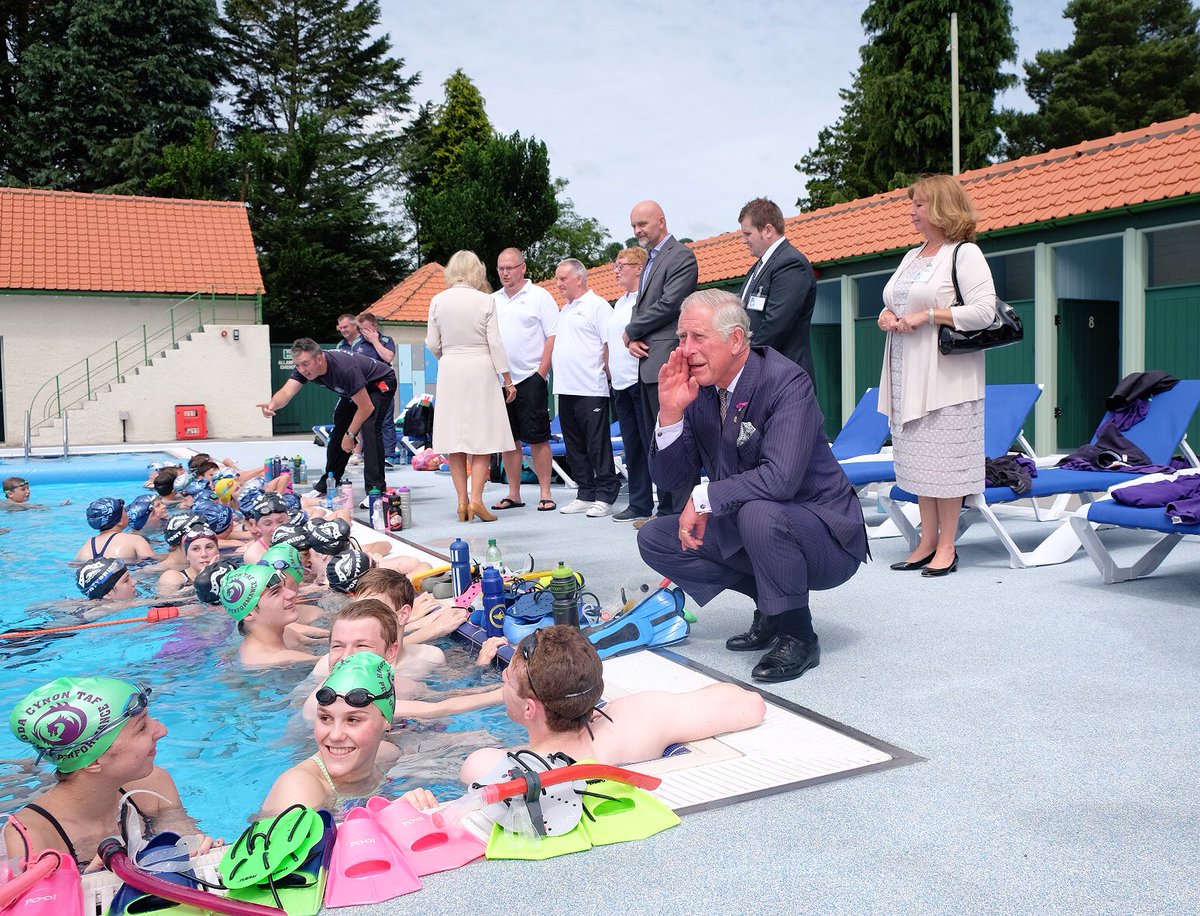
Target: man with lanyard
<point>364,386</point>
<point>383,348</point>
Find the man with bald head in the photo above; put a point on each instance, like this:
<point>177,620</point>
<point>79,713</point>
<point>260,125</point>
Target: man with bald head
<point>528,318</point>
<point>668,278</point>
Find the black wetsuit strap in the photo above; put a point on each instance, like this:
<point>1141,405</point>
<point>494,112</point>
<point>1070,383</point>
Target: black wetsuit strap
<point>53,822</point>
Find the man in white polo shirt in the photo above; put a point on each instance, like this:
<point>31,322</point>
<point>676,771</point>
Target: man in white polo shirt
<point>581,384</point>
<point>528,316</point>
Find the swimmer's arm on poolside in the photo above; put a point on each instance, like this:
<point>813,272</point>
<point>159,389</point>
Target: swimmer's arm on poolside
<point>488,650</point>
<point>280,398</point>
<point>422,709</point>
<point>442,622</point>
<point>295,786</point>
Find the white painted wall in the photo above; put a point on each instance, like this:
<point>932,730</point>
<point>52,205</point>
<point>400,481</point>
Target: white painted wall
<point>229,377</point>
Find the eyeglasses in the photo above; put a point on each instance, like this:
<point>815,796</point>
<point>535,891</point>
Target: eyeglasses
<point>619,266</point>
<point>528,646</point>
<point>134,706</point>
<point>358,697</point>
<point>505,270</point>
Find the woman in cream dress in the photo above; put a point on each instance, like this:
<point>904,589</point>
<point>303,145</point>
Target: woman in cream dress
<point>470,421</point>
<point>935,402</point>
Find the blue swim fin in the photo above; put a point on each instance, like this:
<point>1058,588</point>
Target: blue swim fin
<point>656,621</point>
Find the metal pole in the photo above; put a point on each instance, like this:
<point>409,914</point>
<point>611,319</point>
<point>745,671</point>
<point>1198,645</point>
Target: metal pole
<point>87,373</point>
<point>117,353</point>
<point>66,438</point>
<point>172,327</point>
<point>28,434</point>
<point>145,348</point>
<point>957,167</point>
<point>58,394</point>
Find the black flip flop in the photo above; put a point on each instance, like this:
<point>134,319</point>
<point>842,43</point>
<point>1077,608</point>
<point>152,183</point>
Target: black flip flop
<point>546,505</point>
<point>507,503</point>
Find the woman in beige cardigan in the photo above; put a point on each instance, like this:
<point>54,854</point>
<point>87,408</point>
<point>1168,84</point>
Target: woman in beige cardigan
<point>935,403</point>
<point>470,420</point>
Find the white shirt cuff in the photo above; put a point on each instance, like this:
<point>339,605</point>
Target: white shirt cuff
<point>665,436</point>
<point>700,499</point>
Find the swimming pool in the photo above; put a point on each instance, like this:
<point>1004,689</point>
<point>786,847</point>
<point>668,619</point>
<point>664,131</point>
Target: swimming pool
<point>231,732</point>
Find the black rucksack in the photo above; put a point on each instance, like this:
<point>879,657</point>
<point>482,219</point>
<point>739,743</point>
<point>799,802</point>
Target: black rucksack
<point>418,422</point>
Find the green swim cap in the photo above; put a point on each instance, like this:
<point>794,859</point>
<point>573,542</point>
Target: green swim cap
<point>241,589</point>
<point>287,553</point>
<point>74,720</point>
<point>360,679</point>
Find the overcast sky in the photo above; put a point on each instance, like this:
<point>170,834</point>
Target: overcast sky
<point>700,105</point>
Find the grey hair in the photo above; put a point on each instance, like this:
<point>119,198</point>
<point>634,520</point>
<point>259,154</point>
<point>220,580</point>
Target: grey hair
<point>727,310</point>
<point>575,266</point>
<point>306,345</point>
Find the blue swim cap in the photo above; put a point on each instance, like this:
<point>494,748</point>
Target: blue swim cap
<point>104,512</point>
<point>197,488</point>
<point>291,500</point>
<point>139,511</point>
<point>246,498</point>
<point>96,578</point>
<point>218,517</point>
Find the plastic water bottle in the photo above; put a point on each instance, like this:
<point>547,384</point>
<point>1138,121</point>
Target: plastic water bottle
<point>492,557</point>
<point>460,565</point>
<point>565,589</point>
<point>493,601</point>
<point>405,505</point>
<point>348,494</point>
<point>302,473</point>
<point>330,488</point>
<point>268,470</point>
<point>375,510</point>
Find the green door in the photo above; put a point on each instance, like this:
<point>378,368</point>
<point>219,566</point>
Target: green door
<point>868,354</point>
<point>1014,365</point>
<point>1089,354</point>
<point>312,405</point>
<point>826,343</point>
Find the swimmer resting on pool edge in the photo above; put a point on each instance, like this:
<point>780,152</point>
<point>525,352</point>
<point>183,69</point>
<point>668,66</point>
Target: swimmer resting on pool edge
<point>99,734</point>
<point>552,687</point>
<point>355,706</point>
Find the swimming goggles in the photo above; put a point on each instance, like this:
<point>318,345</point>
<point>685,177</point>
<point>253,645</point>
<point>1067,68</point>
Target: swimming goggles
<point>528,646</point>
<point>134,707</point>
<point>279,565</point>
<point>358,697</point>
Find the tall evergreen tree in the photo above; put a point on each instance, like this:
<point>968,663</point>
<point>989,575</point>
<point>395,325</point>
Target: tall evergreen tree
<point>895,121</point>
<point>317,102</point>
<point>460,119</point>
<point>93,90</point>
<point>1130,63</point>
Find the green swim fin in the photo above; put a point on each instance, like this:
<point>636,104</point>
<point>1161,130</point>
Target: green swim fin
<point>504,844</point>
<point>616,813</point>
<point>301,890</point>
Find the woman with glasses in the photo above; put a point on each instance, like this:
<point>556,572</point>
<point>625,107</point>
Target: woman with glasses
<point>98,733</point>
<point>355,706</point>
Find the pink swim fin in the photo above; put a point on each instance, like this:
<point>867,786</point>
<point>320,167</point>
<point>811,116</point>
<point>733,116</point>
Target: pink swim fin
<point>49,886</point>
<point>428,847</point>
<point>366,866</point>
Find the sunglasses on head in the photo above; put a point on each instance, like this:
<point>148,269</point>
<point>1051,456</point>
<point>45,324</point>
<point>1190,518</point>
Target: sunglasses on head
<point>358,697</point>
<point>527,647</point>
<point>134,706</point>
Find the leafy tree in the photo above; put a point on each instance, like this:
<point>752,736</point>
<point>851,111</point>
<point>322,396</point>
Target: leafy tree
<point>571,236</point>
<point>895,121</point>
<point>316,105</point>
<point>1130,63</point>
<point>499,194</point>
<point>461,119</point>
<point>205,168</point>
<point>93,90</point>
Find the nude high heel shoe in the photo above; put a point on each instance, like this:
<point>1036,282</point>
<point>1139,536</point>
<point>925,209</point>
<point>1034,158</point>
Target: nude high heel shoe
<point>464,512</point>
<point>481,512</point>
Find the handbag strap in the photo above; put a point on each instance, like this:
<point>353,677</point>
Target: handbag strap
<point>954,275</point>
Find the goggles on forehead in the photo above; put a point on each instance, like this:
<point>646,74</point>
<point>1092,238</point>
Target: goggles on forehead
<point>358,697</point>
<point>134,707</point>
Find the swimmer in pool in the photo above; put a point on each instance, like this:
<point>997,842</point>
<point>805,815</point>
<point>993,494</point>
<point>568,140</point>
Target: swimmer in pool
<point>286,558</point>
<point>421,617</point>
<point>99,734</point>
<point>16,496</point>
<point>200,549</point>
<point>106,579</point>
<point>109,518</point>
<point>553,686</point>
<point>354,710</point>
<point>176,528</point>
<point>263,602</point>
<point>369,625</point>
<point>147,514</point>
<point>266,513</point>
<point>223,522</point>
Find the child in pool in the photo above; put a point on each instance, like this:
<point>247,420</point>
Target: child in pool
<point>16,496</point>
<point>263,602</point>
<point>108,517</point>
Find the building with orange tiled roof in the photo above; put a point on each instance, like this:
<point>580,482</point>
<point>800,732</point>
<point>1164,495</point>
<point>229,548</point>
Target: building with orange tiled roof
<point>1096,245</point>
<point>114,305</point>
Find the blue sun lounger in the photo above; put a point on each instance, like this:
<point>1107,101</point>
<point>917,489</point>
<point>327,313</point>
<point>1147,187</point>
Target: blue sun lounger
<point>1161,432</point>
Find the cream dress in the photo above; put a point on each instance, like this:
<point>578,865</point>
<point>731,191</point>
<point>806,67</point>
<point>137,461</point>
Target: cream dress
<point>469,411</point>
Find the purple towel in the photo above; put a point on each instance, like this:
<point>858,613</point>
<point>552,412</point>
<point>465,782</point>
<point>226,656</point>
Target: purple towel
<point>1159,493</point>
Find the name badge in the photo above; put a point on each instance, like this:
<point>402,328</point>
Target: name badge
<point>923,275</point>
<point>756,304</point>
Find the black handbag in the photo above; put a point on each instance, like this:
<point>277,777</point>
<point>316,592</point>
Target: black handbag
<point>1004,330</point>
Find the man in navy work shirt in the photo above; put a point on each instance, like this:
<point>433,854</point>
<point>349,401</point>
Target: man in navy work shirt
<point>364,386</point>
<point>383,348</point>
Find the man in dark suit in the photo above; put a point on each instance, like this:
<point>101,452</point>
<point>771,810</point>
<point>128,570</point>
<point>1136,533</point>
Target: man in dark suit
<point>780,290</point>
<point>668,278</point>
<point>777,517</point>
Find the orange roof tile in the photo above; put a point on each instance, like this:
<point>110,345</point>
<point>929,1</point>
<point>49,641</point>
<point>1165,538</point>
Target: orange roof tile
<point>63,240</point>
<point>409,300</point>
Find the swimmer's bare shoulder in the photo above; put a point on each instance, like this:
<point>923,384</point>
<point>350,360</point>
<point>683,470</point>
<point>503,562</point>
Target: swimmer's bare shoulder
<point>302,784</point>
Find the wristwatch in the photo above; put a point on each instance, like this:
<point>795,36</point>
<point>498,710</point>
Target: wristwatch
<point>931,314</point>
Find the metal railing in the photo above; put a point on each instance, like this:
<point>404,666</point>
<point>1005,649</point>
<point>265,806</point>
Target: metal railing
<point>84,380</point>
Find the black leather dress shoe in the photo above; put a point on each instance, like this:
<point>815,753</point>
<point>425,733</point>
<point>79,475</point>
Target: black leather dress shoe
<point>905,566</point>
<point>790,658</point>
<point>930,572</point>
<point>760,636</point>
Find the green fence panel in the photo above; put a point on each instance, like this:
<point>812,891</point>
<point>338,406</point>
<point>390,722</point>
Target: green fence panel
<point>826,343</point>
<point>1172,336</point>
<point>868,354</point>
<point>312,406</point>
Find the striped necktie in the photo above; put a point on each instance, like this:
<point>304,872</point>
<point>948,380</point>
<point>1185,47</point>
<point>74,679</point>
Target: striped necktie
<point>723,400</point>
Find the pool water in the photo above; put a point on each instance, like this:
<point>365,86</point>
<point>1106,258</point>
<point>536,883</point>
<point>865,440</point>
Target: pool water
<point>230,732</point>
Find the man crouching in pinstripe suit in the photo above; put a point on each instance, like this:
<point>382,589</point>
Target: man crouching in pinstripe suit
<point>777,517</point>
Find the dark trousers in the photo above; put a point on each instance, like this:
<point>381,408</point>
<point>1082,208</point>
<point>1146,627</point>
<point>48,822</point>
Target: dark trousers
<point>372,440</point>
<point>670,502</point>
<point>631,418</point>
<point>786,552</point>
<point>585,429</point>
<point>389,428</point>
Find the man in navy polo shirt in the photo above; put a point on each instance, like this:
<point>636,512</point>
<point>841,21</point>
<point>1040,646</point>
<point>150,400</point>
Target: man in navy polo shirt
<point>364,386</point>
<point>383,348</point>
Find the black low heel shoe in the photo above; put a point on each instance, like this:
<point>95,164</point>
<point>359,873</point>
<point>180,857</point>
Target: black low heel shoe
<point>930,572</point>
<point>905,566</point>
